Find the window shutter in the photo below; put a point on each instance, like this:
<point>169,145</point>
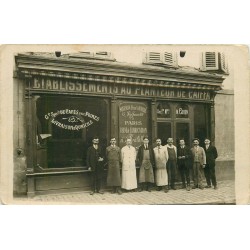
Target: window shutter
<point>84,54</point>
<point>153,57</point>
<point>210,61</point>
<point>223,63</point>
<point>104,55</point>
<point>170,58</point>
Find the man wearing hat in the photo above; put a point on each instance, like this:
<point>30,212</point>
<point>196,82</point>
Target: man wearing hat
<point>211,155</point>
<point>199,163</point>
<point>95,159</point>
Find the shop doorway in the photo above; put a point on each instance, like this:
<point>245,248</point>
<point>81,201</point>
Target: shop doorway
<point>175,130</point>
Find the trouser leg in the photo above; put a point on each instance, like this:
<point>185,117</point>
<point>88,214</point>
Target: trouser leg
<point>195,173</point>
<point>207,175</point>
<point>182,174</point>
<point>93,182</point>
<point>187,174</point>
<point>169,173</point>
<point>200,170</point>
<point>213,177</point>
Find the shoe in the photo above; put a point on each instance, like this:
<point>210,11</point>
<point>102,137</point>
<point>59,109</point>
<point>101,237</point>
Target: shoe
<point>201,187</point>
<point>158,188</point>
<point>92,193</point>
<point>140,189</point>
<point>165,190</point>
<point>119,191</point>
<point>149,189</point>
<point>188,188</point>
<point>208,186</point>
<point>173,188</point>
<point>195,186</point>
<point>100,192</point>
<point>215,187</point>
<point>113,191</point>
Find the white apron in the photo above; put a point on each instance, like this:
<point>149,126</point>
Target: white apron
<point>128,156</point>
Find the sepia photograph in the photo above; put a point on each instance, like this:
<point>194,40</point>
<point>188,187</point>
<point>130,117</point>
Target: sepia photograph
<point>123,124</point>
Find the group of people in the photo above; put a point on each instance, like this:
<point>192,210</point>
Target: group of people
<point>158,165</point>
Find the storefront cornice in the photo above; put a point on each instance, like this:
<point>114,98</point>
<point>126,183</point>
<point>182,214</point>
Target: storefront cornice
<point>113,71</point>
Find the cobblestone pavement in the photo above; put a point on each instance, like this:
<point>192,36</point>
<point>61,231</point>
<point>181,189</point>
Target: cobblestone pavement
<point>225,194</point>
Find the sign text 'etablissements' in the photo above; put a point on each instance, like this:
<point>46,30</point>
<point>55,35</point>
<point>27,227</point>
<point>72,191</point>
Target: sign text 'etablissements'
<point>71,119</point>
<point>103,88</point>
<point>133,120</point>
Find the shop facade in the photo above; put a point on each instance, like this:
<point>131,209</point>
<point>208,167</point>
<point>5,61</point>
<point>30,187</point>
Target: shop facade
<point>63,102</point>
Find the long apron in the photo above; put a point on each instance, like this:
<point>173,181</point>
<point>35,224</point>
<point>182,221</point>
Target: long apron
<point>146,169</point>
<point>114,173</point>
<point>161,176</point>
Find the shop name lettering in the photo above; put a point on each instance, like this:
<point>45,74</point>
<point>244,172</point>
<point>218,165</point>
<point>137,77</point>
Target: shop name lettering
<point>61,85</point>
<point>72,116</point>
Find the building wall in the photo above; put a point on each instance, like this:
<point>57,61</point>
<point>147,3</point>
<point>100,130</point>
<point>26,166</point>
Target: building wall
<point>19,138</point>
<point>224,133</point>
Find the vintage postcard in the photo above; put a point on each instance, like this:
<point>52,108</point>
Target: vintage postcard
<point>124,124</point>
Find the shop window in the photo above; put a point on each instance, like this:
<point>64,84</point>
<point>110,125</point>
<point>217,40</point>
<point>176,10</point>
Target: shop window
<point>163,110</point>
<point>182,111</point>
<point>65,128</point>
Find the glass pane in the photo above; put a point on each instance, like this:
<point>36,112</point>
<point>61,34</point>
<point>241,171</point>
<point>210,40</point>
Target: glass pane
<point>133,122</point>
<point>182,132</point>
<point>164,131</point>
<point>65,128</point>
<point>182,111</point>
<point>163,110</point>
<point>200,130</point>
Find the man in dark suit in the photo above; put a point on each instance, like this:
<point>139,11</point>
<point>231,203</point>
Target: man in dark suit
<point>95,159</point>
<point>183,161</point>
<point>211,155</point>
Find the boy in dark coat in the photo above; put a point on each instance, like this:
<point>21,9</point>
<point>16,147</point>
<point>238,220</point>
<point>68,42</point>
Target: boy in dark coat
<point>183,161</point>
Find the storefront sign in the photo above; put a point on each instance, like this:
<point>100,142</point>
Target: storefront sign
<point>118,89</point>
<point>71,119</point>
<point>133,119</point>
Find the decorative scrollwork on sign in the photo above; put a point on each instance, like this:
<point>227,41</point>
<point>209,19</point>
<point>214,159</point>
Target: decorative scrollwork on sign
<point>71,119</point>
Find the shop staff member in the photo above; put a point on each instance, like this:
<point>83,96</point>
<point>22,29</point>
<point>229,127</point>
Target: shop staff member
<point>211,155</point>
<point>199,162</point>
<point>145,158</point>
<point>128,157</point>
<point>113,156</point>
<point>183,161</point>
<point>95,159</point>
<point>171,164</point>
<point>161,158</point>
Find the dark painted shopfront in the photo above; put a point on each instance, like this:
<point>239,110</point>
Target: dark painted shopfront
<point>70,100</point>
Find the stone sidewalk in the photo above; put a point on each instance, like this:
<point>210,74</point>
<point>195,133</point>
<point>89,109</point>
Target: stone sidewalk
<point>225,194</point>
